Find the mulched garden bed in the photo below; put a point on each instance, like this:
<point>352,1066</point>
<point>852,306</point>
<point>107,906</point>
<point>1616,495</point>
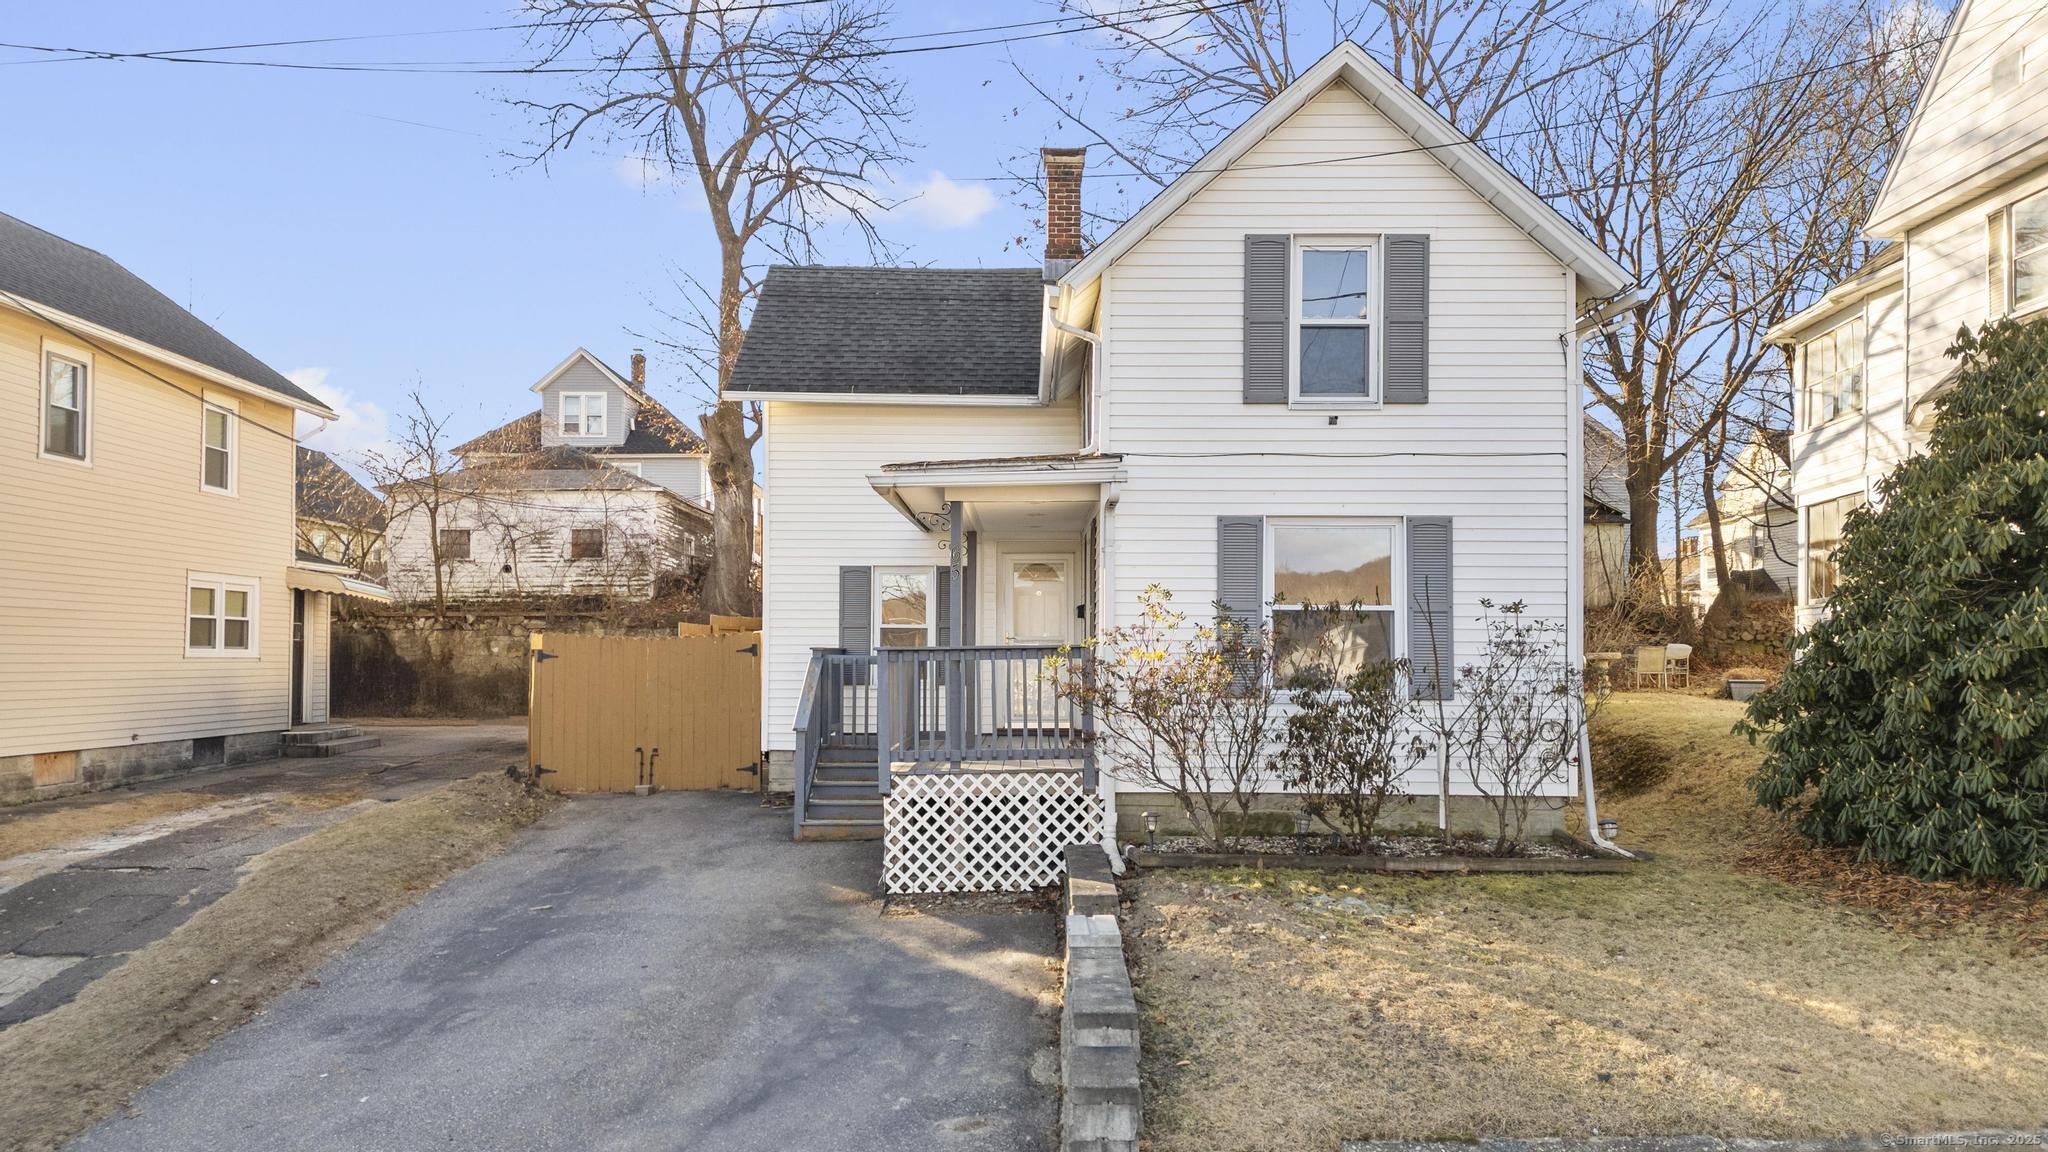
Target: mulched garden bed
<point>1389,854</point>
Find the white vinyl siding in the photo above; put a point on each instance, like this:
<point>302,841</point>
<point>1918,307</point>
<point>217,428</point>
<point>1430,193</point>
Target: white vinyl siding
<point>816,460</point>
<point>1502,411</point>
<point>93,573</point>
<point>1968,127</point>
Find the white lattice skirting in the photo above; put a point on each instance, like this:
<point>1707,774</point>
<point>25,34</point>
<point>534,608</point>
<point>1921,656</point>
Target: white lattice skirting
<point>983,831</point>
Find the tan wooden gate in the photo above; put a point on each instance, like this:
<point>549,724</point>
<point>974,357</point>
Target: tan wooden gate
<point>601,707</point>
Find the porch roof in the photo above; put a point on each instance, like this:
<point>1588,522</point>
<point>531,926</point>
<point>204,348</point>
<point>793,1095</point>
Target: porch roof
<point>920,489</point>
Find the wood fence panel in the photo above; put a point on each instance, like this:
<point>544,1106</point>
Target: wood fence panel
<point>597,698</point>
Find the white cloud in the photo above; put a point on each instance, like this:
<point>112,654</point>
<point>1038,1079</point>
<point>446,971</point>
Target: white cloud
<point>940,204</point>
<point>642,173</point>
<point>361,426</point>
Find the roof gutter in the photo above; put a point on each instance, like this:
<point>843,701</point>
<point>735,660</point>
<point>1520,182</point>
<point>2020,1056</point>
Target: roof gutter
<point>1621,302</point>
<point>1094,340</point>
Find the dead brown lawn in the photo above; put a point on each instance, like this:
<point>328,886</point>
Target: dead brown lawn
<point>299,905</point>
<point>1695,996</point>
<point>33,831</point>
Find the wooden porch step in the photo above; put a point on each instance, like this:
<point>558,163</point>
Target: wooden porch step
<point>844,790</point>
<point>840,830</point>
<point>849,807</point>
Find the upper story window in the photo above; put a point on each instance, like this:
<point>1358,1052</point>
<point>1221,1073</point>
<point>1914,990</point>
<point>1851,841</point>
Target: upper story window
<point>217,435</point>
<point>586,543</point>
<point>2029,265</point>
<point>903,602</point>
<point>1833,374</point>
<point>220,616</point>
<point>1333,596</point>
<point>1824,522</point>
<point>454,543</point>
<point>583,413</point>
<point>1334,310</point>
<point>2010,68</point>
<point>67,391</point>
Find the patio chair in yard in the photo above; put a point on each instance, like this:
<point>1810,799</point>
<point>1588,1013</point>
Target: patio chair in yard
<point>1650,662</point>
<point>1678,665</point>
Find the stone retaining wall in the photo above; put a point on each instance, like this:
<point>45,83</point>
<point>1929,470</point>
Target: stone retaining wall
<point>1101,1108</point>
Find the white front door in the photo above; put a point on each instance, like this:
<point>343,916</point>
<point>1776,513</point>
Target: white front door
<point>1039,600</point>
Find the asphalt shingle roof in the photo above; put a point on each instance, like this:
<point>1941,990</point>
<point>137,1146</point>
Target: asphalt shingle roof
<point>1606,466</point>
<point>47,269</point>
<point>895,331</point>
<point>656,432</point>
<point>328,492</point>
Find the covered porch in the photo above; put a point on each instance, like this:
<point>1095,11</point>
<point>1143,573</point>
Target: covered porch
<point>970,660</point>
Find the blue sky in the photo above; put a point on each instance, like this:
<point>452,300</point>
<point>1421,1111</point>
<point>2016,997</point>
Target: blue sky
<point>294,212</point>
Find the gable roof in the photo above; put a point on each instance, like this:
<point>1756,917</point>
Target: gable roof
<point>1606,467</point>
<point>84,285</point>
<point>655,432</point>
<point>1348,63</point>
<point>326,491</point>
<point>893,331</point>
<point>568,362</point>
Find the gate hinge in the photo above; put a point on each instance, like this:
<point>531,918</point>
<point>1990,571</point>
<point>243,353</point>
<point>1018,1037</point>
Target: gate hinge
<point>751,650</point>
<point>755,768</point>
<point>539,656</point>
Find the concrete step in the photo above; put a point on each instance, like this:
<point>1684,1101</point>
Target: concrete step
<point>339,747</point>
<point>840,830</point>
<point>321,734</point>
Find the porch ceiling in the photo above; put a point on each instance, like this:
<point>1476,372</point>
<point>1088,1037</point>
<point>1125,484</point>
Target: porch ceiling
<point>1050,493</point>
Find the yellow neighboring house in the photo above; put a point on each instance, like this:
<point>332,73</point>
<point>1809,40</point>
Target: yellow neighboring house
<point>154,616</point>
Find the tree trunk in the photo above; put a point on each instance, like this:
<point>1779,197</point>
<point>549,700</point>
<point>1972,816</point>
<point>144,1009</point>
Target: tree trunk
<point>1643,507</point>
<point>729,586</point>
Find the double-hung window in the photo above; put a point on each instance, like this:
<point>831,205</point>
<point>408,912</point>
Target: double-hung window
<point>903,603</point>
<point>2029,253</point>
<point>220,616</point>
<point>217,448</point>
<point>1824,522</point>
<point>583,413</point>
<point>1335,307</point>
<point>1333,596</point>
<point>1834,373</point>
<point>67,388</point>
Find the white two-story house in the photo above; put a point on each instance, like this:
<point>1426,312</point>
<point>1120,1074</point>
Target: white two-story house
<point>601,491</point>
<point>1336,360</point>
<point>1965,209</point>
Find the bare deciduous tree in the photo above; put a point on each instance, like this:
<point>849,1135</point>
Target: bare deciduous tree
<point>1729,165</point>
<point>782,117</point>
<point>416,474</point>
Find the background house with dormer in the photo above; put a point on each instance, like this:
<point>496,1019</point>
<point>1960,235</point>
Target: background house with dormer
<point>601,491</point>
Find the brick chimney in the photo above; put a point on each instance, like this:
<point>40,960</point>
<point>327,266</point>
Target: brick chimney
<point>640,369</point>
<point>1062,208</point>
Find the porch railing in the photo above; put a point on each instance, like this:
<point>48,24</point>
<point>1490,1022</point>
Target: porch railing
<point>944,708</point>
<point>837,709</point>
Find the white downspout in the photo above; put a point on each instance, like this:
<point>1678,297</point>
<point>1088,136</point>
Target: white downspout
<point>1592,809</point>
<point>1094,342</point>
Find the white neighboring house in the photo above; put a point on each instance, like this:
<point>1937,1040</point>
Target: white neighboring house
<point>1605,470</point>
<point>1759,525</point>
<point>601,491</point>
<point>1965,209</point>
<point>1340,349</point>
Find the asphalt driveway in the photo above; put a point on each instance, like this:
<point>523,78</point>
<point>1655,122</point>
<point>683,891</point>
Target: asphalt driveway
<point>660,973</point>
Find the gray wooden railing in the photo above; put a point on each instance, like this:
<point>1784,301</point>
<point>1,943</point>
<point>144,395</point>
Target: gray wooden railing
<point>939,709</point>
<point>810,731</point>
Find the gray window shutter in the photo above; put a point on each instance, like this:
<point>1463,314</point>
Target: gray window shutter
<point>1405,354</point>
<point>856,606</point>
<point>1432,657</point>
<point>1240,572</point>
<point>1994,269</point>
<point>1265,319</point>
<point>942,586</point>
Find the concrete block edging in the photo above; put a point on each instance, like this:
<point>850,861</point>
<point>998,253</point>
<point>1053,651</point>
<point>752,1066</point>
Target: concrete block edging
<point>1101,1106</point>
